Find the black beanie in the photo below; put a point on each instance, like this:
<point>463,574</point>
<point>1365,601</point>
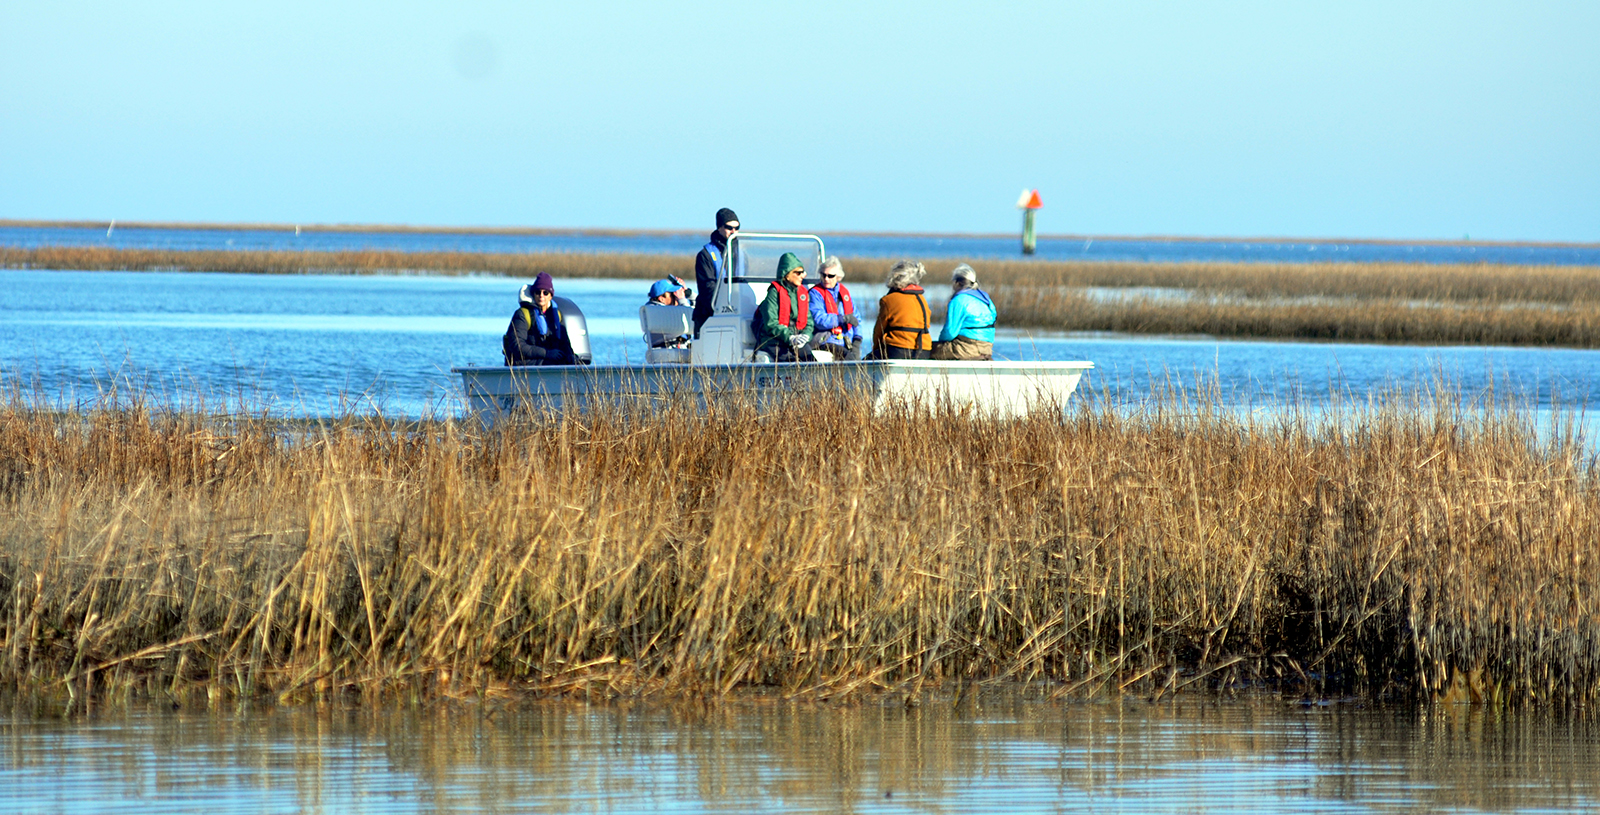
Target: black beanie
<point>725,215</point>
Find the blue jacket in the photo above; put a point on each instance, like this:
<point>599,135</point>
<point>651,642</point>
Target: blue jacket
<point>822,321</point>
<point>971,315</point>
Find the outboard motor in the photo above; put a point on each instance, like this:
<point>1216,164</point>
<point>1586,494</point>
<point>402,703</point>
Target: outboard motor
<point>577,330</point>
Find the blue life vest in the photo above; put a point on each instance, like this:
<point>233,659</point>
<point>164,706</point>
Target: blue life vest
<point>716,261</point>
<point>542,327</point>
<point>716,258</point>
<point>548,327</point>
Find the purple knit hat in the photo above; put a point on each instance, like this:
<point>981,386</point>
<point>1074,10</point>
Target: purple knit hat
<point>546,282</point>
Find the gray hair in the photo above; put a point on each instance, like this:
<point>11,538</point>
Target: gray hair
<point>965,274</point>
<point>904,274</point>
<point>831,263</point>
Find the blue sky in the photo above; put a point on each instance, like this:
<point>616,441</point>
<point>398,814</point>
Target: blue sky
<point>1349,119</point>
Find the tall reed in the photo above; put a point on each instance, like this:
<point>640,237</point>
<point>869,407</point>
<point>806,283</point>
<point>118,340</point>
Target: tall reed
<point>1408,551</point>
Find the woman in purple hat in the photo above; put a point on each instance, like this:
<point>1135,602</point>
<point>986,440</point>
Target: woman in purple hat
<point>537,335</point>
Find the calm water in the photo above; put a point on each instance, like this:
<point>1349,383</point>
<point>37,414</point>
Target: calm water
<point>844,245</point>
<point>312,344</point>
<point>1002,753</point>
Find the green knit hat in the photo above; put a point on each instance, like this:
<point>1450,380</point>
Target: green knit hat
<point>787,264</point>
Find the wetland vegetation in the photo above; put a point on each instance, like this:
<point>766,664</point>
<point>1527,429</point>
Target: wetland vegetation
<point>1420,550</point>
<point>1351,302</point>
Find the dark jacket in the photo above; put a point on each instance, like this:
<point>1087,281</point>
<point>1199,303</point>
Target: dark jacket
<point>525,345</point>
<point>707,270</point>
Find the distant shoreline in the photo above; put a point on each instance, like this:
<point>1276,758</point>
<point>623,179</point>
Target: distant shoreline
<point>604,231</point>
<point>1471,304</point>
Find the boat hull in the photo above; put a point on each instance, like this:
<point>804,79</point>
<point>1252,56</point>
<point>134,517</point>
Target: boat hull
<point>993,388</point>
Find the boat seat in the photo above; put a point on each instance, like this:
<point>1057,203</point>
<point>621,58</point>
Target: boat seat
<point>666,332</point>
<point>667,356</point>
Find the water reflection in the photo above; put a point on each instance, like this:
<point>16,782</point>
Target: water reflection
<point>1007,751</point>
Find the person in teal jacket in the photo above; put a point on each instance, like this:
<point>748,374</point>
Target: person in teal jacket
<point>969,321</point>
<point>782,324</point>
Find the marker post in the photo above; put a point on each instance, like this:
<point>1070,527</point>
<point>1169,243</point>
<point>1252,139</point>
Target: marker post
<point>1029,204</point>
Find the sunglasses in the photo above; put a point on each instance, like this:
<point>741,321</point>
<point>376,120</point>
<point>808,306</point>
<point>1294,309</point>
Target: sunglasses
<point>731,227</point>
<point>832,276</point>
<point>542,292</point>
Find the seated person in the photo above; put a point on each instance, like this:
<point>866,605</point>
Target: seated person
<point>901,331</point>
<point>537,335</point>
<point>671,291</point>
<point>833,314</point>
<point>782,324</point>
<point>969,322</point>
<point>667,293</point>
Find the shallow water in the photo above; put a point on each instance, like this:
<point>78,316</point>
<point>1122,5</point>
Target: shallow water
<point>315,344</point>
<point>1002,752</point>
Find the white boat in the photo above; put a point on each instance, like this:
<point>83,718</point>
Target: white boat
<point>723,362</point>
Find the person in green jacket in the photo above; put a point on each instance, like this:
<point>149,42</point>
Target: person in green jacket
<point>782,324</point>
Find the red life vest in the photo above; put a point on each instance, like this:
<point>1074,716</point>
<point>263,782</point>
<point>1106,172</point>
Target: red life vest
<point>833,306</point>
<point>793,322</point>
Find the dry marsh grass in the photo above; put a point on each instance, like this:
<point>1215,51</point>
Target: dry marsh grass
<point>1476,283</point>
<point>1353,302</point>
<point>364,261</point>
<point>1413,552</point>
<point>1348,320</point>
<point>1441,283</point>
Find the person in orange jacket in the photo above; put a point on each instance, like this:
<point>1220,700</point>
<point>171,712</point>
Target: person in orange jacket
<point>901,331</point>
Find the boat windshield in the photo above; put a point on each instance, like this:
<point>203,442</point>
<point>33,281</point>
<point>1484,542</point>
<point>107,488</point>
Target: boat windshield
<point>755,256</point>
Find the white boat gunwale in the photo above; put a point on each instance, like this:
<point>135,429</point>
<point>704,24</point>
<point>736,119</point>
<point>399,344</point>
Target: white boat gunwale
<point>723,358</point>
<point>999,388</point>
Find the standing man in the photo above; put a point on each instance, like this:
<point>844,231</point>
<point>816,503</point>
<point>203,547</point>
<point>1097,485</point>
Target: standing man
<point>708,265</point>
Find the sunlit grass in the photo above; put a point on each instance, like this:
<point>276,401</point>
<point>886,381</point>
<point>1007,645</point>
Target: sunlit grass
<point>1416,550</point>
